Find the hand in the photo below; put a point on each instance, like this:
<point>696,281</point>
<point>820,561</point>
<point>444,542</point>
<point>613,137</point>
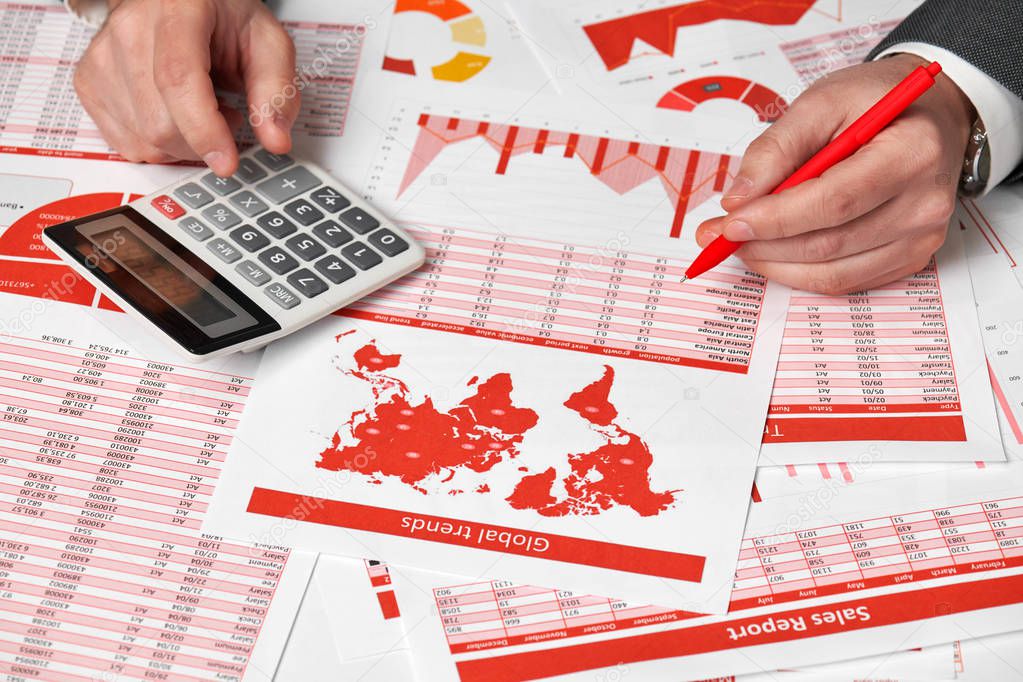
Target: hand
<point>147,79</point>
<point>874,218</point>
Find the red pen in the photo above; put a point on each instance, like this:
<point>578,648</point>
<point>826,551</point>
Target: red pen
<point>842,147</point>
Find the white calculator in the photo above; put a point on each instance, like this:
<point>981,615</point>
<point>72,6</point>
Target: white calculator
<point>219,265</point>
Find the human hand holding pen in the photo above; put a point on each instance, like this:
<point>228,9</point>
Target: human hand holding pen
<point>875,217</point>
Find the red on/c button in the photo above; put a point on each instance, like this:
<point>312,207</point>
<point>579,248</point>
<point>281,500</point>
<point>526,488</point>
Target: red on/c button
<point>167,206</point>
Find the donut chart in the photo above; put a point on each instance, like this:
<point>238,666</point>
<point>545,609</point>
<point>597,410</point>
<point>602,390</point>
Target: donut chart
<point>466,30</point>
<point>31,269</point>
<point>766,103</point>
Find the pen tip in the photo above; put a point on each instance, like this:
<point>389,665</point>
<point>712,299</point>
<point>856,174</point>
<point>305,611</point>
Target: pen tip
<point>683,280</point>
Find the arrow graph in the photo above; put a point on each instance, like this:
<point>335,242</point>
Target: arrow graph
<point>688,176</point>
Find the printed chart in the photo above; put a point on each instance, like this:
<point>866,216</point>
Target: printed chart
<point>847,360</point>
<point>467,31</point>
<point>613,39</point>
<point>40,113</point>
<point>689,178</point>
<point>456,41</point>
<point>110,459</point>
<point>766,103</point>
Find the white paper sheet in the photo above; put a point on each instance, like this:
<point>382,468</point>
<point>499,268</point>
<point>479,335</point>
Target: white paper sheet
<point>897,557</point>
<point>900,369</point>
<point>572,331</point>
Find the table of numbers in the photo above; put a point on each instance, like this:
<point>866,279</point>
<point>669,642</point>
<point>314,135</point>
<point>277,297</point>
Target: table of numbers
<point>831,559</point>
<point>612,301</point>
<point>108,463</point>
<point>40,46</point>
<point>872,365</point>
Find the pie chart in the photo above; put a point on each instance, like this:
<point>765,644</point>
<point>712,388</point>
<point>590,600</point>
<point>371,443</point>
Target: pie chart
<point>766,103</point>
<point>467,35</point>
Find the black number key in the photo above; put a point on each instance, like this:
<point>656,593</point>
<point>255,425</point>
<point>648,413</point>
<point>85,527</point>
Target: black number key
<point>304,212</point>
<point>329,199</point>
<point>307,283</point>
<point>332,233</point>
<point>334,269</point>
<point>359,220</point>
<point>388,242</point>
<point>361,255</point>
<point>278,260</point>
<point>276,224</point>
<point>249,238</point>
<point>306,247</point>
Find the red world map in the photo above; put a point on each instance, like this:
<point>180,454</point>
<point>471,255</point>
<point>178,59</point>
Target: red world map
<point>412,440</point>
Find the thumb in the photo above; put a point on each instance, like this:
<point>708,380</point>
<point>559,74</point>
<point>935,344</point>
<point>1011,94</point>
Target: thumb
<point>801,132</point>
<point>268,72</point>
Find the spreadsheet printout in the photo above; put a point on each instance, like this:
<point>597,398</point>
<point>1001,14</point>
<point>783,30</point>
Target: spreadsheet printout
<point>901,368</point>
<point>899,553</point>
<point>110,454</point>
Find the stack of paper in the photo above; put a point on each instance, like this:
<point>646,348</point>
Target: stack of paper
<point>541,454</point>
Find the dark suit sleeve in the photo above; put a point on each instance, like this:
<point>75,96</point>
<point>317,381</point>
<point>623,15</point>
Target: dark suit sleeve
<point>986,33</point>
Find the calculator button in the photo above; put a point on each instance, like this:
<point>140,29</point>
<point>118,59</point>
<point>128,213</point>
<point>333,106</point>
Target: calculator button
<point>282,296</point>
<point>304,212</point>
<point>307,283</point>
<point>278,260</point>
<point>252,272</point>
<point>167,206</point>
<point>288,185</point>
<point>334,269</point>
<point>196,229</point>
<point>388,242</point>
<point>248,203</point>
<point>332,233</point>
<point>329,199</point>
<point>222,186</point>
<point>277,225</point>
<point>363,256</point>
<point>220,216</point>
<point>249,238</point>
<point>193,195</point>
<point>249,171</point>
<point>305,246</point>
<point>274,162</point>
<point>359,220</point>
<point>227,253</point>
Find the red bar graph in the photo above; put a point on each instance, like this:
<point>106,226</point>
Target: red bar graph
<point>689,177</point>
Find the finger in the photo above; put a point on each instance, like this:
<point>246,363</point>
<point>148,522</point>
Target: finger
<point>119,136</point>
<point>181,73</point>
<point>898,218</point>
<point>808,125</point>
<point>844,192</point>
<point>854,272</point>
<point>268,70</point>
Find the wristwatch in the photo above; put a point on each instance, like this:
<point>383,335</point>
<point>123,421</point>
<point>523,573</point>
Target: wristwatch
<point>977,162</point>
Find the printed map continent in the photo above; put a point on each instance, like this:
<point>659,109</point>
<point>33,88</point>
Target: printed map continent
<point>410,439</point>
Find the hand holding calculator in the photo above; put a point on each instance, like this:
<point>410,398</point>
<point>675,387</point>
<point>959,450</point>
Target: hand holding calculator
<point>218,265</point>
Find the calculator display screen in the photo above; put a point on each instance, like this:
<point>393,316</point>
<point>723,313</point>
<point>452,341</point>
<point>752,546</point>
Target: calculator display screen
<point>161,278</point>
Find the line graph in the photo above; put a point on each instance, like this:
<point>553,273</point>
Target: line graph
<point>613,39</point>
<point>689,176</point>
<point>767,104</point>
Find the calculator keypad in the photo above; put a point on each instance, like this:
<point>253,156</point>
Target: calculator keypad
<point>359,220</point>
<point>274,216</point>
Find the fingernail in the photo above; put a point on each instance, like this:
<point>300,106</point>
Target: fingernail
<point>741,187</point>
<point>738,231</point>
<point>213,159</point>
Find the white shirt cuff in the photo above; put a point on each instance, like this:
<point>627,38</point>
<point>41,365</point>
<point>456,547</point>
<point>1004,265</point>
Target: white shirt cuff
<point>999,109</point>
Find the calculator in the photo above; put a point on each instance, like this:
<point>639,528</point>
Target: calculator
<point>218,265</point>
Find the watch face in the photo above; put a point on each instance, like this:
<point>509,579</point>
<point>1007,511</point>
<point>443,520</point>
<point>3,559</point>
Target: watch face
<point>977,164</point>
